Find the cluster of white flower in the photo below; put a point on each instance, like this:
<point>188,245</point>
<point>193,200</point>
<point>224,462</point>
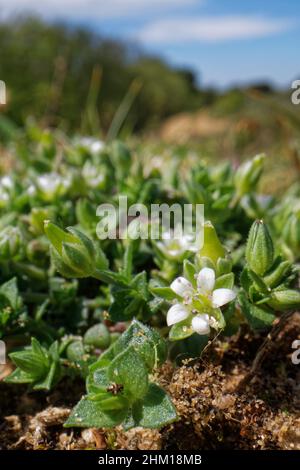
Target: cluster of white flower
<point>176,247</point>
<point>205,295</point>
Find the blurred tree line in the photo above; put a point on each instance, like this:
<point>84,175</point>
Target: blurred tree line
<point>76,79</point>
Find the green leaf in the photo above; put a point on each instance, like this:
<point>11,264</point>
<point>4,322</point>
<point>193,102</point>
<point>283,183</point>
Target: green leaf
<point>110,403</point>
<point>189,272</point>
<point>57,236</point>
<point>259,318</point>
<point>219,317</point>
<point>30,363</point>
<point>165,293</point>
<point>156,409</point>
<point>129,370</point>
<point>226,281</point>
<point>9,291</point>
<point>97,381</point>
<point>18,376</point>
<point>51,378</point>
<point>181,330</point>
<point>127,260</point>
<point>104,360</point>
<point>245,280</point>
<point>258,281</point>
<point>88,413</point>
<point>146,341</point>
<point>140,284</point>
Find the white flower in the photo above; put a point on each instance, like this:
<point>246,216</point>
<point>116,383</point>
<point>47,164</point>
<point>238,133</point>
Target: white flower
<point>176,314</point>
<point>206,282</point>
<point>91,144</point>
<point>222,297</point>
<point>200,324</point>
<point>205,294</point>
<point>182,287</point>
<point>175,246</point>
<point>92,175</point>
<point>52,185</point>
<point>7,182</point>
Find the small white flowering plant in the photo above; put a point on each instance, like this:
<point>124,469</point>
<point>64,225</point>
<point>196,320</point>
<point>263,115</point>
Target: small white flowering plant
<point>110,312</point>
<point>196,298</point>
<point>199,307</point>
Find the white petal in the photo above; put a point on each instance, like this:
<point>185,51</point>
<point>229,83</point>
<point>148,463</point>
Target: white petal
<point>222,296</point>
<point>176,314</point>
<point>200,324</point>
<point>206,280</point>
<point>182,287</point>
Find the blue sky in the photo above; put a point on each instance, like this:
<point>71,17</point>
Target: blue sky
<point>225,42</point>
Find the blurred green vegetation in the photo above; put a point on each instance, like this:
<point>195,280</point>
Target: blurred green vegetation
<point>75,79</point>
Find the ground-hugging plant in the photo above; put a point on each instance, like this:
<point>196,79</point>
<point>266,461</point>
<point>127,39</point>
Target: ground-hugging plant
<point>118,387</point>
<point>266,280</point>
<point>112,311</point>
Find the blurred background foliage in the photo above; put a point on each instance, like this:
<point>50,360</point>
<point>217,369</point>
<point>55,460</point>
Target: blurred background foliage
<point>76,81</point>
<point>53,72</point>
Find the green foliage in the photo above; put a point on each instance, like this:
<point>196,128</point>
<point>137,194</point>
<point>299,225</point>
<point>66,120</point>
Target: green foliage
<point>12,311</point>
<point>69,70</point>
<point>259,250</point>
<point>265,281</point>
<point>118,385</point>
<point>36,366</point>
<point>111,310</point>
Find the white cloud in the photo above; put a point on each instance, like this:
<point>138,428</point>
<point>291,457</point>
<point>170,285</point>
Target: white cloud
<point>90,9</point>
<point>210,29</point>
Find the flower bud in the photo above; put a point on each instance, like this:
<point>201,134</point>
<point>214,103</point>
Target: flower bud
<point>97,336</point>
<point>287,299</point>
<point>10,242</point>
<point>212,247</point>
<point>75,351</point>
<point>259,249</point>
<point>73,253</point>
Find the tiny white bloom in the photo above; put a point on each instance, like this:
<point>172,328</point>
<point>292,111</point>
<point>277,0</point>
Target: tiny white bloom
<point>221,297</point>
<point>182,287</point>
<point>206,280</point>
<point>200,324</point>
<point>7,182</point>
<point>91,144</point>
<point>31,190</point>
<point>190,242</point>
<point>175,243</point>
<point>92,175</point>
<point>176,314</point>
